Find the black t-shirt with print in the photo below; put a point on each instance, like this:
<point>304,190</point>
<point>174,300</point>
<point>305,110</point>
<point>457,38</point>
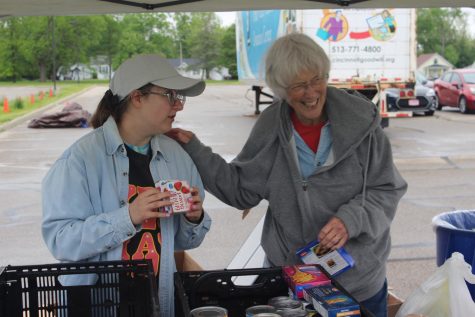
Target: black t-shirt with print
<point>146,244</point>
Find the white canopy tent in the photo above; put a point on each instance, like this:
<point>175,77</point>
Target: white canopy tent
<point>87,7</point>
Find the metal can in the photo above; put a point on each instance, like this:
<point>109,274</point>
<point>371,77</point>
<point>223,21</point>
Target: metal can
<point>209,311</point>
<point>311,311</point>
<point>293,313</point>
<point>259,309</point>
<point>284,303</point>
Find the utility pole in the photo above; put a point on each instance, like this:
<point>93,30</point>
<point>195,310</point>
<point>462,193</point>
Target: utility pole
<point>54,54</point>
<point>181,54</point>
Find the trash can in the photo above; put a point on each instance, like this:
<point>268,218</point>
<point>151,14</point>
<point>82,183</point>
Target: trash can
<point>455,232</point>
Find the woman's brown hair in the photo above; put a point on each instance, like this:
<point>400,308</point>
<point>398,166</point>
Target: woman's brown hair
<point>110,105</point>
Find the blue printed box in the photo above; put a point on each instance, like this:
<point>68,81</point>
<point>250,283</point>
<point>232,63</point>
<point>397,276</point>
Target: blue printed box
<point>329,301</point>
<point>334,262</point>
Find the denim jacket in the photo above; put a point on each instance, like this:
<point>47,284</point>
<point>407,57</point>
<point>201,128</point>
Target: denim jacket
<point>85,210</point>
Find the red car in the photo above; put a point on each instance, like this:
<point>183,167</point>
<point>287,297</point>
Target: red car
<point>456,88</point>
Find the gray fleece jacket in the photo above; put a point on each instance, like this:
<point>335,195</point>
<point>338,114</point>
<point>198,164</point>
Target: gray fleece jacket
<point>362,186</point>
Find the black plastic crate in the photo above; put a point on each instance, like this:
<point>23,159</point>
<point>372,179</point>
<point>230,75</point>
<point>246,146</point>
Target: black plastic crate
<point>216,288</point>
<point>123,289</point>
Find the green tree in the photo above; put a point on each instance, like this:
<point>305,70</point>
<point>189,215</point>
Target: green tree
<point>466,50</point>
<point>444,31</point>
<point>76,36</point>
<point>228,50</point>
<point>26,49</point>
<point>111,33</point>
<point>36,37</point>
<point>10,49</point>
<point>182,21</point>
<point>204,40</point>
<point>144,33</point>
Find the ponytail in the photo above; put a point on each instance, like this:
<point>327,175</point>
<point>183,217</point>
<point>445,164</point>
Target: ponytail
<point>108,106</point>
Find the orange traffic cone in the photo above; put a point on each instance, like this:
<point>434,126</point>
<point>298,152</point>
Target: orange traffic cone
<point>51,92</point>
<point>6,108</point>
<point>32,99</point>
<point>41,95</point>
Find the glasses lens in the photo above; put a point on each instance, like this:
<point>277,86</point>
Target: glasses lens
<point>171,97</point>
<point>316,82</point>
<point>181,98</point>
<point>298,88</point>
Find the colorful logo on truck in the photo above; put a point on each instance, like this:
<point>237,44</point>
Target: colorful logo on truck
<point>334,27</point>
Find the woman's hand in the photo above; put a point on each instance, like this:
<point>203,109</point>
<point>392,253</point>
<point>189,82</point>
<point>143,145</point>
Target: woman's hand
<point>333,235</point>
<point>180,135</point>
<point>146,205</point>
<point>196,208</point>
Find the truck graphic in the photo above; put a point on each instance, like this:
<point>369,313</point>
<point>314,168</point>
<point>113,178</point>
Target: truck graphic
<point>370,49</point>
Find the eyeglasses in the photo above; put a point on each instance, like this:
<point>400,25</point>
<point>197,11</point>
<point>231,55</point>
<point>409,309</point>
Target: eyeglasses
<point>301,87</point>
<point>172,96</point>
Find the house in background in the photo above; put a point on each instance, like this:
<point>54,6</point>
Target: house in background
<point>188,67</point>
<point>433,65</point>
<point>77,72</point>
<point>219,73</point>
<point>98,68</point>
<point>101,66</point>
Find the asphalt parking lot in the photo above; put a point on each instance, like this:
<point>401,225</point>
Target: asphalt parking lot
<point>436,155</point>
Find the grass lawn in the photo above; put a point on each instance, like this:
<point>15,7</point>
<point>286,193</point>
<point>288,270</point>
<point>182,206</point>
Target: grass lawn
<point>18,108</point>
<point>63,89</point>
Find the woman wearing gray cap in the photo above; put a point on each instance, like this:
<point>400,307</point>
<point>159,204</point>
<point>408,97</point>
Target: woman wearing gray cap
<point>99,198</point>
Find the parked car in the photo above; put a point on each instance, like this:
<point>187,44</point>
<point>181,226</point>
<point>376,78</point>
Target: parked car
<point>423,80</point>
<point>426,102</point>
<point>456,88</point>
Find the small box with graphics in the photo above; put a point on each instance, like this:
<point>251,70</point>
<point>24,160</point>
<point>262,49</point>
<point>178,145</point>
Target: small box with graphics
<point>329,301</point>
<point>334,262</point>
<point>302,276</point>
<point>181,194</point>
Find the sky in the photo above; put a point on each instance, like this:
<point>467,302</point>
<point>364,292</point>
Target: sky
<point>228,18</point>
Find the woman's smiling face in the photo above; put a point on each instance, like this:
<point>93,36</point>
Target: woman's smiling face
<point>307,96</point>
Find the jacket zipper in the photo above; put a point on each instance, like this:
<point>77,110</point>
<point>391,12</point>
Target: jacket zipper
<point>304,185</point>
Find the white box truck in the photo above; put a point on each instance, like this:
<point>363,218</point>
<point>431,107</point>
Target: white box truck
<point>370,50</point>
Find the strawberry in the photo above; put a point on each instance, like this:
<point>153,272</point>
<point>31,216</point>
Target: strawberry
<point>177,185</point>
<point>185,190</point>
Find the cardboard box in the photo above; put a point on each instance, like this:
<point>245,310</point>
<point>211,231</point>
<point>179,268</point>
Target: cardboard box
<point>329,301</point>
<point>185,263</point>
<point>394,303</point>
<point>302,276</point>
<point>334,262</point>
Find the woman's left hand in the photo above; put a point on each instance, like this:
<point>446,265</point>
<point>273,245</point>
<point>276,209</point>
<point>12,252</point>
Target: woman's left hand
<point>196,208</point>
<point>333,235</point>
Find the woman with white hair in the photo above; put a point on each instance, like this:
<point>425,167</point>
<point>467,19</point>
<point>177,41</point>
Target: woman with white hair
<point>320,158</point>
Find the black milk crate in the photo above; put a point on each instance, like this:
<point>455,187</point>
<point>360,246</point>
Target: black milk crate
<point>217,288</point>
<point>123,289</point>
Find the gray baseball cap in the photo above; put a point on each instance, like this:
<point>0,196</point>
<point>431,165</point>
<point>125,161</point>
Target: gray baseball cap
<point>154,69</point>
